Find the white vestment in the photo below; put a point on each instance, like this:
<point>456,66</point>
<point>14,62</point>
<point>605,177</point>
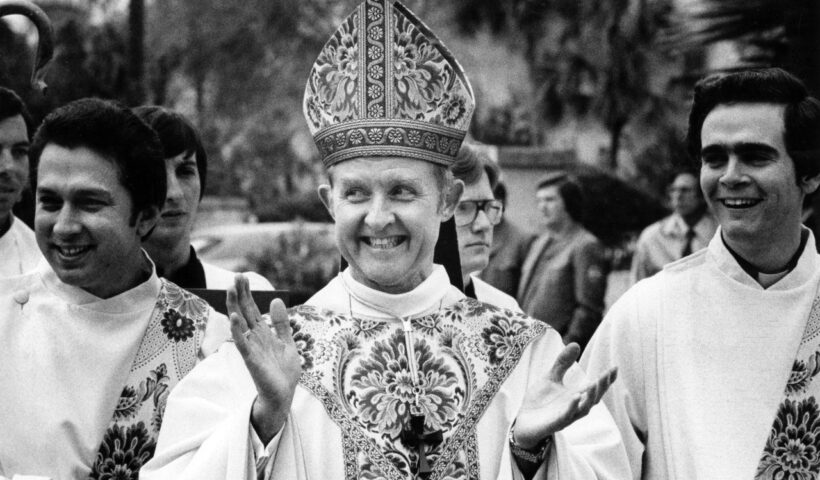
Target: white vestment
<point>217,278</point>
<point>487,293</point>
<point>207,434</point>
<point>703,353</point>
<point>65,356</point>
<point>19,252</point>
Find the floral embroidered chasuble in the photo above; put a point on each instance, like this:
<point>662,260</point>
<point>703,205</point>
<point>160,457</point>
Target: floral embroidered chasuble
<point>358,368</point>
<point>168,351</point>
<point>792,451</point>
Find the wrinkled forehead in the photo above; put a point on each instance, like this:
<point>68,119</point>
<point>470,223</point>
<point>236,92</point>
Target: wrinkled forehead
<point>383,169</point>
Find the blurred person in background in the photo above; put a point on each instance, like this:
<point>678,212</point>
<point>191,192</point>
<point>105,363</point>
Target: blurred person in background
<point>508,251</point>
<point>476,214</point>
<point>718,352</point>
<point>186,166</point>
<point>92,341</point>
<point>563,279</point>
<point>18,247</point>
<point>687,230</point>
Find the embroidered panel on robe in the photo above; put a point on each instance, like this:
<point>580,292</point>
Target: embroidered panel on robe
<point>358,369</point>
<point>168,351</point>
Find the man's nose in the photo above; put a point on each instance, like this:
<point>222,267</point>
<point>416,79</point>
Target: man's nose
<point>174,187</point>
<point>481,221</point>
<point>379,214</point>
<point>734,172</point>
<point>66,222</point>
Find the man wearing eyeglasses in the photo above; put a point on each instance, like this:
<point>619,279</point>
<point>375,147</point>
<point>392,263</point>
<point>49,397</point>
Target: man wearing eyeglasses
<point>476,214</point>
<point>563,279</point>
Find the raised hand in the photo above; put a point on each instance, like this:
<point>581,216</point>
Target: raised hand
<point>269,354</point>
<point>551,406</point>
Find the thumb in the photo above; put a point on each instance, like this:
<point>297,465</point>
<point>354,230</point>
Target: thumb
<point>564,360</point>
<point>280,321</point>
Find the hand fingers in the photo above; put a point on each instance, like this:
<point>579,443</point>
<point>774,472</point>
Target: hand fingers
<point>593,393</point>
<point>279,320</point>
<point>239,330</point>
<point>565,359</point>
<point>246,303</point>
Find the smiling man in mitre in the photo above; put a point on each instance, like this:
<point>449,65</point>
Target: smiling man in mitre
<point>389,371</point>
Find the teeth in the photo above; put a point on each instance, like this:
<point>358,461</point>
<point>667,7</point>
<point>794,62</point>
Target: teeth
<point>739,202</point>
<point>72,251</point>
<point>388,242</point>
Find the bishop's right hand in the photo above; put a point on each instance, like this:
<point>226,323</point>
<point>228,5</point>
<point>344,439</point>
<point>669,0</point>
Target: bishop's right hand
<point>269,354</point>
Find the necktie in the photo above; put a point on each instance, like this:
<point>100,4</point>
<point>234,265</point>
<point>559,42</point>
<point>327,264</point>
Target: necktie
<point>687,245</point>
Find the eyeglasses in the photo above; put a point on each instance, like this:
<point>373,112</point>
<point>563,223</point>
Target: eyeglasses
<point>467,211</point>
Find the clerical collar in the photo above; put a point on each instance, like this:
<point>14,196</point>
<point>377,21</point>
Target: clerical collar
<point>190,275</point>
<point>426,297</point>
<point>469,289</point>
<point>770,278</point>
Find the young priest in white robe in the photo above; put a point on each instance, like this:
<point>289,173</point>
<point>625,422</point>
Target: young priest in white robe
<point>92,342</point>
<point>389,371</point>
<point>718,353</point>
<point>18,249</point>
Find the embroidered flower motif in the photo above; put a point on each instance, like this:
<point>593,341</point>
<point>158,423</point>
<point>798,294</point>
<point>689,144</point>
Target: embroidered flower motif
<point>314,113</point>
<point>340,139</point>
<point>430,141</point>
<point>128,404</point>
<point>335,76</point>
<point>177,327</point>
<point>802,374</point>
<point>500,336</point>
<point>394,136</point>
<point>792,451</point>
<point>414,136</point>
<point>328,144</point>
<point>374,14</point>
<point>375,134</point>
<point>375,110</point>
<point>374,52</point>
<point>477,308</point>
<point>376,71</point>
<point>356,137</point>
<point>304,344</point>
<point>428,324</point>
<point>123,452</point>
<point>443,144</point>
<point>383,392</point>
<point>184,302</point>
<point>374,91</point>
<point>420,72</point>
<point>375,32</point>
<point>453,109</point>
<point>368,328</point>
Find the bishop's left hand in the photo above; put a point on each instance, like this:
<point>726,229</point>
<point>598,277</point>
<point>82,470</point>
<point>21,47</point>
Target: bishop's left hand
<point>551,406</point>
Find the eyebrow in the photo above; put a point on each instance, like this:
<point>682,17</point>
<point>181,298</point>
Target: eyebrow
<point>744,147</point>
<point>83,192</point>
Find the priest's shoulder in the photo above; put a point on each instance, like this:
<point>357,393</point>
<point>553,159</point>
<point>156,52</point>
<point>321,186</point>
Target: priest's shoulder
<point>685,264</point>
<point>26,281</point>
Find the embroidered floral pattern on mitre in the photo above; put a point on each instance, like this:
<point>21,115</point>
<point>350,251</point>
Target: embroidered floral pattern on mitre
<point>383,65</point>
<point>792,451</point>
<point>162,360</point>
<point>366,388</point>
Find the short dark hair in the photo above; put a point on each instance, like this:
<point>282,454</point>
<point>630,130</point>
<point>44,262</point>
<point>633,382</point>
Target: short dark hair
<point>177,135</point>
<point>570,191</point>
<point>113,131</point>
<point>11,105</point>
<point>801,117</point>
<point>471,162</point>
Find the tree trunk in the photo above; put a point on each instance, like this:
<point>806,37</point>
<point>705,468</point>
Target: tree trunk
<point>136,51</point>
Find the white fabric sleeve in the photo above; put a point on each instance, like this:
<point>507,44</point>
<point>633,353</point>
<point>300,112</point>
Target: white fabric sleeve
<point>205,430</point>
<point>591,447</point>
<point>26,477</point>
<point>264,453</point>
<point>621,341</point>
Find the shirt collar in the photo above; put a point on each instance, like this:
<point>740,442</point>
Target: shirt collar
<point>427,296</point>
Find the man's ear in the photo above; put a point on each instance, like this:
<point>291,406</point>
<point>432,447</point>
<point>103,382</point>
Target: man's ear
<point>809,184</point>
<point>147,219</point>
<point>326,196</point>
<point>451,198</point>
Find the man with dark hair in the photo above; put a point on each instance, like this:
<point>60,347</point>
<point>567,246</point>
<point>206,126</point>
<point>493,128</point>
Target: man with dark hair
<point>719,352</point>
<point>18,248</point>
<point>92,340</point>
<point>563,279</point>
<point>186,167</point>
<point>688,229</point>
<point>476,214</point>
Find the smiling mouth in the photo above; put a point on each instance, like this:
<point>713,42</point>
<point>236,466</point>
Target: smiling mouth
<point>384,243</point>
<point>71,253</point>
<point>740,203</point>
<point>173,214</point>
